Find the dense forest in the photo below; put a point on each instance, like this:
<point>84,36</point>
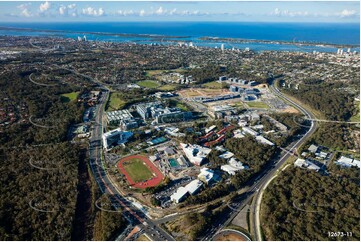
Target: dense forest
<point>335,136</point>
<point>108,222</point>
<point>39,166</point>
<point>331,101</point>
<point>304,205</point>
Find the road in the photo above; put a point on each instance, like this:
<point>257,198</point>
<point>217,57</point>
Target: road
<point>263,179</point>
<point>258,196</point>
<point>130,212</point>
<point>133,214</point>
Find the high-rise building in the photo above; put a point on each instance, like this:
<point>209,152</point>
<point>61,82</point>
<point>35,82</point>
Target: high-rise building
<point>222,47</point>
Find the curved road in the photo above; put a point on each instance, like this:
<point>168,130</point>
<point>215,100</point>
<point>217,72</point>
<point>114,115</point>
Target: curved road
<point>267,179</point>
<point>261,180</point>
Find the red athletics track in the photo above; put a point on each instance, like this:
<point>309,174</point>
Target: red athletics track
<point>150,183</point>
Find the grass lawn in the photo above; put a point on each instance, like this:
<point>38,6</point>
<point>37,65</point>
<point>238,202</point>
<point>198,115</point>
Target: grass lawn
<point>142,238</point>
<point>356,117</point>
<point>238,105</point>
<point>182,106</point>
<point>168,87</point>
<point>148,84</point>
<point>214,85</point>
<point>137,170</point>
<point>257,105</point>
<point>68,97</point>
<point>115,102</point>
<point>151,73</point>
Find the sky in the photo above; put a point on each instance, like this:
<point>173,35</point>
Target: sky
<point>128,11</point>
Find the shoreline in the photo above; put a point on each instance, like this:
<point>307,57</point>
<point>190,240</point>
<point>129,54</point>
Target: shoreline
<point>157,37</point>
<point>284,42</point>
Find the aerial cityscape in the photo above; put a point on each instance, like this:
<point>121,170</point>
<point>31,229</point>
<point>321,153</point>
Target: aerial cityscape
<point>180,121</point>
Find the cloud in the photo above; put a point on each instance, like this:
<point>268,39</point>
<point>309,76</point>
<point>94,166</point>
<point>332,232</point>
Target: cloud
<point>160,11</point>
<point>44,6</point>
<point>69,10</point>
<point>287,13</point>
<point>71,6</point>
<point>347,13</point>
<point>89,11</point>
<point>63,10</point>
<point>25,12</point>
<point>173,11</point>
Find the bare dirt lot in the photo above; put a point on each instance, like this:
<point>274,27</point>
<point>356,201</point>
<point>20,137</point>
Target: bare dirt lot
<point>229,236</point>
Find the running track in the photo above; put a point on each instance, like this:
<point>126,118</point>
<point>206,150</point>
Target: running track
<point>142,185</point>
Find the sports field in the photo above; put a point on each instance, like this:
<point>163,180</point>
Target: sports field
<point>140,171</point>
<point>148,84</point>
<point>137,170</point>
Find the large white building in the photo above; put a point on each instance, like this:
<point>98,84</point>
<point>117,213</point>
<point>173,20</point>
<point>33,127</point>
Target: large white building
<point>115,137</point>
<point>179,195</point>
<point>195,153</point>
<point>182,192</point>
<point>263,140</point>
<point>208,176</point>
<point>123,118</point>
<point>233,166</point>
<point>347,162</point>
<point>306,164</point>
<point>194,186</point>
<point>226,155</point>
<point>247,130</point>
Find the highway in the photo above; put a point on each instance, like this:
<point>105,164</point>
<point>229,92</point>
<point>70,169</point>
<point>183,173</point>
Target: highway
<point>262,180</point>
<point>258,196</point>
<point>132,214</point>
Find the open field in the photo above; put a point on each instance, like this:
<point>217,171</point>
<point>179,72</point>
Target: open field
<point>168,87</point>
<point>229,236</point>
<point>208,92</point>
<point>356,117</point>
<point>68,97</point>
<point>151,73</point>
<point>115,102</point>
<point>238,105</point>
<point>257,105</point>
<point>140,171</point>
<point>182,106</point>
<point>142,238</point>
<point>148,84</point>
<point>137,170</point>
<point>214,85</point>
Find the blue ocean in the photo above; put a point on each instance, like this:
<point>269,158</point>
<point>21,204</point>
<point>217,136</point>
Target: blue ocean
<point>326,33</point>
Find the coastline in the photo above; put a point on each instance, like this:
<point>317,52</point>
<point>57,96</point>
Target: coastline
<point>201,41</point>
